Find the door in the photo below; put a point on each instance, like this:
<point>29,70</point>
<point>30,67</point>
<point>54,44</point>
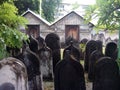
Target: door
<point>72,31</point>
<point>33,30</point>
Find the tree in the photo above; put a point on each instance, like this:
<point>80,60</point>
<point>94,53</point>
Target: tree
<point>23,5</point>
<point>108,14</point>
<point>49,8</point>
<point>75,5</point>
<point>9,23</point>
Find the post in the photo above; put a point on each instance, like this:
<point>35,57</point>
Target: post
<point>40,7</point>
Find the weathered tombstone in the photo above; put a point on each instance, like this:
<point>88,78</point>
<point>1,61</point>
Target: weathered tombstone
<point>116,40</point>
<point>101,37</point>
<point>99,45</point>
<point>13,75</point>
<point>106,74</point>
<point>90,47</point>
<point>40,41</point>
<point>111,50</point>
<point>12,51</point>
<point>69,39</point>
<point>69,74</point>
<point>108,40</point>
<point>53,42</point>
<point>45,55</point>
<point>31,60</point>
<point>95,55</point>
<point>84,41</point>
<point>73,50</point>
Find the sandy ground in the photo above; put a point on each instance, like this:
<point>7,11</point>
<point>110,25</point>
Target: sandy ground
<point>50,85</point>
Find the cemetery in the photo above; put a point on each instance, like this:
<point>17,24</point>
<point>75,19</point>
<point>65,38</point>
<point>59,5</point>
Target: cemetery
<point>45,69</point>
<point>66,54</point>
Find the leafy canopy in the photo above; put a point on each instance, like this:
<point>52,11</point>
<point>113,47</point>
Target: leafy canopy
<point>23,5</point>
<point>49,8</point>
<point>107,12</point>
<point>9,24</point>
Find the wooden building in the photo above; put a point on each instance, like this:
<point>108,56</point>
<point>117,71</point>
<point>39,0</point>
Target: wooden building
<point>72,25</point>
<point>36,25</point>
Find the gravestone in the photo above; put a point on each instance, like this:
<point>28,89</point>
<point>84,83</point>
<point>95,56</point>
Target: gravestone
<point>111,50</point>
<point>95,55</point>
<point>99,45</point>
<point>106,75</point>
<point>45,55</point>
<point>116,40</point>
<point>69,74</point>
<point>31,61</point>
<point>40,41</point>
<point>73,50</point>
<point>12,51</point>
<point>69,39</point>
<point>108,40</point>
<point>84,41</point>
<point>90,47</point>
<point>13,74</point>
<point>52,40</point>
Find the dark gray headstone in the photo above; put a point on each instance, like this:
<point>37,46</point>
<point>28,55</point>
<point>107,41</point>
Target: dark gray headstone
<point>45,55</point>
<point>69,39</point>
<point>84,41</point>
<point>99,45</point>
<point>31,60</point>
<point>69,75</point>
<point>53,42</point>
<point>106,75</point>
<point>90,47</point>
<point>95,55</point>
<point>111,50</point>
<point>73,50</point>
<point>40,42</point>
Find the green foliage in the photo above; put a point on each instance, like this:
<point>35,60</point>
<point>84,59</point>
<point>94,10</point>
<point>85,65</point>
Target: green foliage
<point>9,17</point>
<point>3,1</point>
<point>9,23</point>
<point>23,5</point>
<point>75,6</point>
<point>107,12</point>
<point>11,37</point>
<point>49,8</point>
<point>82,46</point>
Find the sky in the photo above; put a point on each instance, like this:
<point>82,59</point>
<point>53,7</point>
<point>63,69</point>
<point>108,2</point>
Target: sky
<point>85,2</point>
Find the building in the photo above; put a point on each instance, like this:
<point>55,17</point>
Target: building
<point>36,25</point>
<point>72,24</point>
